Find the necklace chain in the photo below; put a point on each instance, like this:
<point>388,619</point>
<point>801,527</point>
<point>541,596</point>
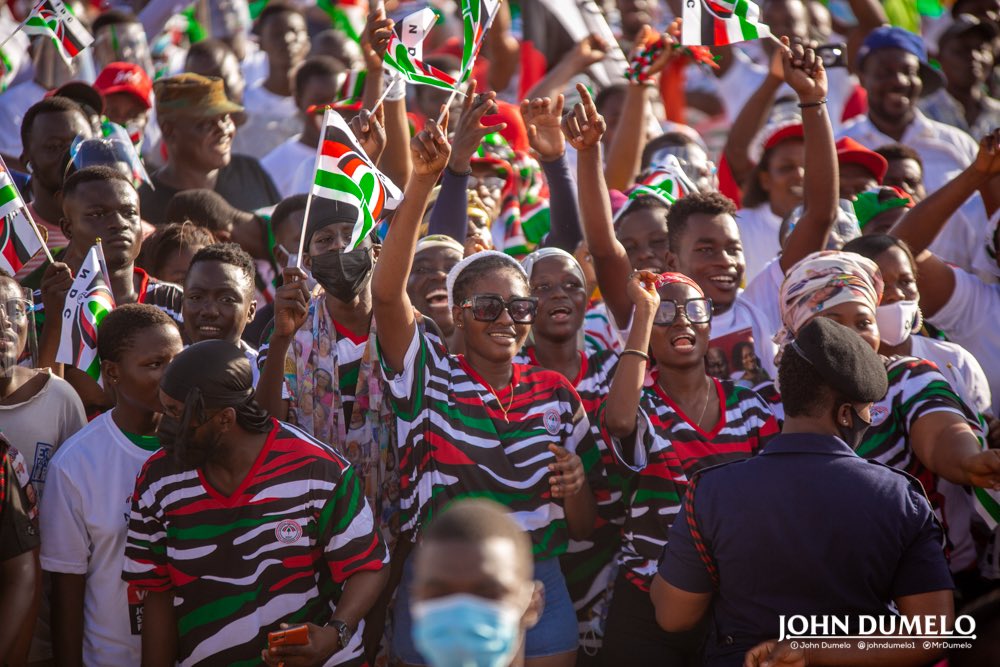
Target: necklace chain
<point>510,403</point>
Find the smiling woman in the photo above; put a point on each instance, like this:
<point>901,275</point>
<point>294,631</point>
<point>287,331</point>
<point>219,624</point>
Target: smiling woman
<point>520,436</point>
<point>661,433</point>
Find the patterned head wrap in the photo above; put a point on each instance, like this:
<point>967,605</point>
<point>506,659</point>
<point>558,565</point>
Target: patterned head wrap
<point>670,278</point>
<point>456,270</point>
<point>820,281</point>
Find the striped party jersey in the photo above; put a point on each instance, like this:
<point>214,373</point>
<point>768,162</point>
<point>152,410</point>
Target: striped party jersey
<point>599,332</point>
<point>916,388</point>
<point>587,564</point>
<point>459,438</point>
<point>278,550</point>
<point>665,450</point>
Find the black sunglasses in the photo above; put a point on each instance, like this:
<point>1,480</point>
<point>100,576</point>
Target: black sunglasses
<point>697,311</point>
<point>487,308</point>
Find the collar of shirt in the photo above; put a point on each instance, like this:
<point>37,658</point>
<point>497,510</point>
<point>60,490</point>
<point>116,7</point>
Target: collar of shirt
<point>807,443</point>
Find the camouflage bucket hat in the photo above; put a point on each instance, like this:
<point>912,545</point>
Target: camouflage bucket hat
<point>192,95</point>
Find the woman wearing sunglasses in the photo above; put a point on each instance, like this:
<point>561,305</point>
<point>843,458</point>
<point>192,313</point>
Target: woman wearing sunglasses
<point>479,425</point>
<point>558,343</point>
<point>664,423</point>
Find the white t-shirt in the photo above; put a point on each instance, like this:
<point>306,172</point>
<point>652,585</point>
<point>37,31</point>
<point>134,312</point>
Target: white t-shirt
<point>969,319</point>
<point>944,150</point>
<point>759,234</point>
<point>963,234</point>
<point>961,369</point>
<point>84,522</point>
<point>743,321</point>
<point>39,425</point>
<point>282,163</point>
<point>271,119</point>
<point>14,103</point>
<point>763,292</point>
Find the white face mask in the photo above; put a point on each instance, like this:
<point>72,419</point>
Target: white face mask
<point>897,321</point>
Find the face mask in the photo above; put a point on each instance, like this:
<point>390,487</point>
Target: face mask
<point>855,433</point>
<point>897,321</point>
<point>343,274</point>
<point>466,631</point>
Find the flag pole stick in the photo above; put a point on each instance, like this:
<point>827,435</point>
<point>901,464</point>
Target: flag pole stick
<point>27,214</point>
<point>385,93</point>
<point>11,35</point>
<point>309,196</point>
<point>103,262</point>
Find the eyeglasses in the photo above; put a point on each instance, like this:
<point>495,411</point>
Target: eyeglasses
<point>487,308</point>
<point>16,310</point>
<point>697,311</point>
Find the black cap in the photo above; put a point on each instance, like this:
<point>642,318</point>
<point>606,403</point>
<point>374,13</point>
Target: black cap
<point>843,359</point>
<point>325,212</point>
<point>966,23</point>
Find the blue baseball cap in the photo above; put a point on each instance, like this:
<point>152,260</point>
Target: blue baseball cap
<point>891,37</point>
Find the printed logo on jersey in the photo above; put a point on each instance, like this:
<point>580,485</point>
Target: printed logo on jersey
<point>288,531</point>
<point>551,421</point>
<point>879,414</point>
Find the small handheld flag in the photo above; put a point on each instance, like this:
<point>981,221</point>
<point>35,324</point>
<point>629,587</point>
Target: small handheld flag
<point>52,18</point>
<point>345,173</point>
<point>20,239</point>
<point>88,302</point>
<point>721,22</point>
<point>397,56</point>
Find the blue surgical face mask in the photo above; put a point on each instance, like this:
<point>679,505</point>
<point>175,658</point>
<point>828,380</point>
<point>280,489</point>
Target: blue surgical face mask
<point>466,631</point>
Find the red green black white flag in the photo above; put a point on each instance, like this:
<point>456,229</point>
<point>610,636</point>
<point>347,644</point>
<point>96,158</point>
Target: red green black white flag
<point>18,240</point>
<point>88,302</point>
<point>52,18</point>
<point>721,22</point>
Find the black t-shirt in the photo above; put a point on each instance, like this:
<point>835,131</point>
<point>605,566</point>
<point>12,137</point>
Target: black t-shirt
<point>243,183</point>
<point>18,506</point>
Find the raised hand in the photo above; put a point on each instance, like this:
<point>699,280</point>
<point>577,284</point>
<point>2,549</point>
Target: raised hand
<point>542,118</point>
<point>567,473</point>
<point>56,281</point>
<point>369,128</point>
<point>988,160</point>
<point>648,37</point>
<point>803,70</point>
<point>375,39</point>
<point>470,130</point>
<point>774,654</point>
<point>641,289</point>
<point>591,50</point>
<point>430,148</point>
<point>583,126</point>
<point>291,302</point>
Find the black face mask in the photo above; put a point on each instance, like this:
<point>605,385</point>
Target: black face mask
<point>855,433</point>
<point>343,274</point>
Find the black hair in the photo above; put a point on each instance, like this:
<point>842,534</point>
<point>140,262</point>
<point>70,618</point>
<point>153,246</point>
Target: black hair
<point>754,193</point>
<point>709,203</point>
<point>665,140</point>
<point>123,325</point>
<point>169,239</point>
<point>873,245</point>
<point>642,203</point>
<point>209,49</point>
<point>804,392</point>
<point>54,104</point>
<point>232,254</point>
<point>205,208</point>
<point>99,172</point>
<point>892,152</point>
<point>737,351</point>
<point>113,17</point>
<point>479,268</point>
<point>318,67</point>
<point>273,9</point>
<point>283,211</point>
<point>475,521</point>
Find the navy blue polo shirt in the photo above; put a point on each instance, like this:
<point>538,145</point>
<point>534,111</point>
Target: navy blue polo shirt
<point>805,527</point>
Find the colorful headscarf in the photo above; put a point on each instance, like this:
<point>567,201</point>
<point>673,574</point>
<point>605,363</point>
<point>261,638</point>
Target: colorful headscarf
<point>670,278</point>
<point>820,281</point>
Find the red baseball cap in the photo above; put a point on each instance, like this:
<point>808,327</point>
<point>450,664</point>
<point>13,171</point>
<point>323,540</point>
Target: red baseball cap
<point>850,151</point>
<point>125,78</point>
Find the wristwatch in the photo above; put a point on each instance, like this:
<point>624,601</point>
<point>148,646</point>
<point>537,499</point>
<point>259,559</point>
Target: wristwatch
<point>343,631</point>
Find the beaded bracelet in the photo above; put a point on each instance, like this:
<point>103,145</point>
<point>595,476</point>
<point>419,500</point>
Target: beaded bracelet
<point>809,105</point>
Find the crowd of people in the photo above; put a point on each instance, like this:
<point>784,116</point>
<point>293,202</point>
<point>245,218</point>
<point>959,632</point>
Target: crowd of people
<point>661,344</point>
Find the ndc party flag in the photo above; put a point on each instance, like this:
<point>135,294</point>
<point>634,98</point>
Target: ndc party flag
<point>347,16</point>
<point>8,70</point>
<point>666,180</point>
<point>477,17</point>
<point>344,173</point>
<point>88,302</point>
<point>52,18</point>
<point>397,56</point>
<point>721,22</point>
<point>352,88</point>
<point>18,240</point>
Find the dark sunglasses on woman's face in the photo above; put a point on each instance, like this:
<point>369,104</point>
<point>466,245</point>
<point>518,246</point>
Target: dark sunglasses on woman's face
<point>697,311</point>
<point>487,308</point>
